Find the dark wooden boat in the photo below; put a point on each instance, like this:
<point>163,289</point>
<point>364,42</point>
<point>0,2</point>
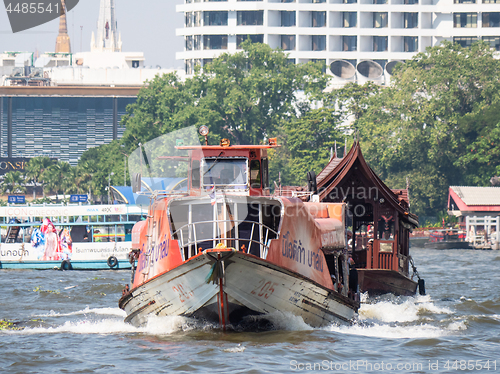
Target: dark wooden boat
<point>380,219</point>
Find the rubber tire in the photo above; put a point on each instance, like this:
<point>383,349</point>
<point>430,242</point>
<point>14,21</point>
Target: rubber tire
<point>112,262</point>
<point>66,265</point>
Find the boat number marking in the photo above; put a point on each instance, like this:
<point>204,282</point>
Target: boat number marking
<point>264,288</point>
<point>183,294</point>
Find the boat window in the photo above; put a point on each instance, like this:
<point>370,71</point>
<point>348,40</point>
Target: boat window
<point>195,174</point>
<point>265,175</point>
<point>225,172</point>
<point>386,227</point>
<point>245,224</point>
<point>255,174</point>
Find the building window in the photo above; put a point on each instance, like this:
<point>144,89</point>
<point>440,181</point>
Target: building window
<point>214,41</point>
<point>207,61</point>
<point>350,1</point>
<point>410,2</point>
<point>318,42</point>
<point>318,1</point>
<point>410,43</point>
<point>189,66</point>
<point>250,17</point>
<point>287,1</point>
<point>189,43</point>
<point>410,20</point>
<point>135,64</point>
<point>287,18</point>
<point>380,43</point>
<point>380,19</point>
<point>349,43</point>
<point>379,1</point>
<point>491,19</point>
<point>465,20</point>
<point>349,19</point>
<point>215,18</point>
<point>188,19</point>
<point>464,41</point>
<point>318,19</point>
<point>288,42</point>
<point>259,38</point>
<point>197,42</point>
<point>491,1</point>
<point>197,19</point>
<point>249,0</point>
<point>494,41</point>
<point>464,1</point>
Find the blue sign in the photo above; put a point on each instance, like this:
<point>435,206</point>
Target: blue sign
<point>12,199</point>
<point>78,198</point>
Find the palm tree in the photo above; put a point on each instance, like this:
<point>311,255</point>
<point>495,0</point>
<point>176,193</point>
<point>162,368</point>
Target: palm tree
<point>58,177</point>
<point>35,170</point>
<point>13,182</point>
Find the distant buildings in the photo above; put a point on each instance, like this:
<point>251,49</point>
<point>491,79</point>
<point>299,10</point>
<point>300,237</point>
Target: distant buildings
<point>359,40</point>
<point>61,103</point>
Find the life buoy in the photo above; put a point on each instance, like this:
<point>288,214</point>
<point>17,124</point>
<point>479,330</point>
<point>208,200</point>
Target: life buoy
<point>66,265</point>
<point>112,262</point>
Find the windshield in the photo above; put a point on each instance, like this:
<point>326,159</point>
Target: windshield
<point>225,172</point>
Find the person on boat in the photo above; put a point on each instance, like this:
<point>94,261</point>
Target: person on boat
<point>126,290</point>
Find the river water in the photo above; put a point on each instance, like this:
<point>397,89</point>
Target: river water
<point>69,322</point>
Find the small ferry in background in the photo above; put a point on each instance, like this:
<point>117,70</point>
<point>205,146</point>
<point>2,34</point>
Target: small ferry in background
<point>67,237</point>
<point>448,239</point>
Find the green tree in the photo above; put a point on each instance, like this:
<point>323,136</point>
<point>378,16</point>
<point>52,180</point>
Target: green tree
<point>34,171</point>
<point>243,96</point>
<point>427,125</point>
<point>13,182</point>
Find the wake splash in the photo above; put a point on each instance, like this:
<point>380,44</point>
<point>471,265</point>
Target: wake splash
<point>386,317</point>
<point>394,317</point>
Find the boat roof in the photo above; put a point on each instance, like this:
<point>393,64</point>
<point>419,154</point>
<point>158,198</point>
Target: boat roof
<point>222,148</point>
<point>337,169</point>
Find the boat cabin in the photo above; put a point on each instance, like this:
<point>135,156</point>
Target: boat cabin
<point>235,169</point>
<point>228,201</point>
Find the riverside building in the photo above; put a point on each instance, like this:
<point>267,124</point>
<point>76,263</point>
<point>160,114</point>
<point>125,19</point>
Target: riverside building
<point>60,104</point>
<point>358,40</point>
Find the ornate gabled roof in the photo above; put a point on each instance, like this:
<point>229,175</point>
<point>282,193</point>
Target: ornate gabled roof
<point>336,172</point>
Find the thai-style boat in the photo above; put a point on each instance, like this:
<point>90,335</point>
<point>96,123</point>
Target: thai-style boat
<point>380,220</point>
<point>226,251</point>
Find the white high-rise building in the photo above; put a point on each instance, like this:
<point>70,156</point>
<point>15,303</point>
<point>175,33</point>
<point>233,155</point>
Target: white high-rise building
<point>357,39</point>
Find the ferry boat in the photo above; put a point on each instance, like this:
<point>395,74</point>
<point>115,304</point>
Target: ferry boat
<point>226,251</point>
<point>448,239</point>
<point>66,237</point>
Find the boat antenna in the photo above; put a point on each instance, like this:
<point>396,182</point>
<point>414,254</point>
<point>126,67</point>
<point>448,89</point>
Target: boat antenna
<point>408,190</point>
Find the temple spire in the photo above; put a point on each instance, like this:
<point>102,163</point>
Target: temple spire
<point>62,42</point>
<point>107,38</point>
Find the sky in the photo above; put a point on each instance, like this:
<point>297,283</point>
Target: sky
<point>145,25</point>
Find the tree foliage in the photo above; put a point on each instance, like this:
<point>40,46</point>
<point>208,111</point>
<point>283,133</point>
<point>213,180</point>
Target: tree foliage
<point>437,123</point>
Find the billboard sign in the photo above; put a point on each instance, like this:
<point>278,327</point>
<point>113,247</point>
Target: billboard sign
<point>14,199</point>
